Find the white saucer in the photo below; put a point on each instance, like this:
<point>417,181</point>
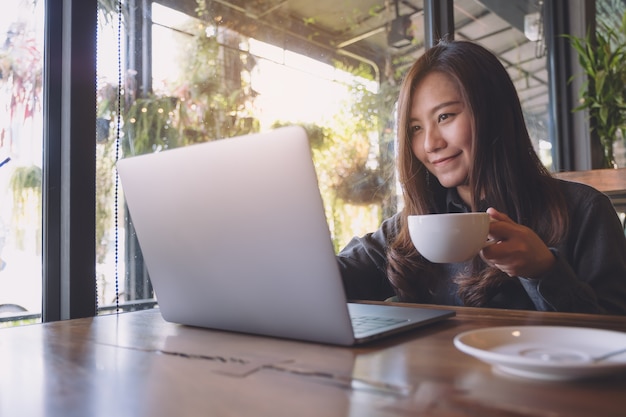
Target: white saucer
<point>546,352</point>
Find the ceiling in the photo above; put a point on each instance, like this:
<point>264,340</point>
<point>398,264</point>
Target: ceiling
<point>359,31</point>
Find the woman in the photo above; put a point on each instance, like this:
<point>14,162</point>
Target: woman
<point>463,146</point>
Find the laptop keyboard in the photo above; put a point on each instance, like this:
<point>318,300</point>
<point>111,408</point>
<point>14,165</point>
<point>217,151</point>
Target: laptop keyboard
<point>363,324</point>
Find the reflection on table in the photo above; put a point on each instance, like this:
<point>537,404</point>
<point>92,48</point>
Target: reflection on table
<point>136,364</point>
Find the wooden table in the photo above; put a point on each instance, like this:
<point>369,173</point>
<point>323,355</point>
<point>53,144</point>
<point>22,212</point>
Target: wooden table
<point>135,364</point>
<point>611,182</point>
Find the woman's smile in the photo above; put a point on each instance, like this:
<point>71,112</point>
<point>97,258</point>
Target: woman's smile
<point>444,160</point>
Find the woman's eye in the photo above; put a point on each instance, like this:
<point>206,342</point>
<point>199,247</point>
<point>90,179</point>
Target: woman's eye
<point>414,129</point>
<point>443,117</point>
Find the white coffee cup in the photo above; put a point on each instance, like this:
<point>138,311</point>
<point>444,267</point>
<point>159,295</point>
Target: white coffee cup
<point>449,237</point>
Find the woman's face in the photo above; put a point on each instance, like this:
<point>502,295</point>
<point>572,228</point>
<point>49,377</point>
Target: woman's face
<point>440,129</point>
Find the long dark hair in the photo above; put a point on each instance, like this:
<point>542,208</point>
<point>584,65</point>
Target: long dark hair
<point>506,172</point>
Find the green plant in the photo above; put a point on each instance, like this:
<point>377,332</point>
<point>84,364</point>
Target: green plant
<point>602,57</point>
<point>26,188</point>
<point>354,156</point>
<point>149,126</point>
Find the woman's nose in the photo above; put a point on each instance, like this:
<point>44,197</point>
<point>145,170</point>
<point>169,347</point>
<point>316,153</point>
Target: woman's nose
<point>433,140</point>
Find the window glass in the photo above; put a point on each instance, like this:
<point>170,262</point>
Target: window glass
<point>110,244</point>
<point>513,31</point>
<point>21,63</point>
<point>610,13</point>
<point>211,72</point>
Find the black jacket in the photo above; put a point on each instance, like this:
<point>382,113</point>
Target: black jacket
<point>588,277</point>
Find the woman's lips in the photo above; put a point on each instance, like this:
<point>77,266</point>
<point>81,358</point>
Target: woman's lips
<point>441,161</point>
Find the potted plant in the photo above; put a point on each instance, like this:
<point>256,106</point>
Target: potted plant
<point>602,57</point>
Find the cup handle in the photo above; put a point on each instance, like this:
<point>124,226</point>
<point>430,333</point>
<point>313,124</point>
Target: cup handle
<point>489,242</point>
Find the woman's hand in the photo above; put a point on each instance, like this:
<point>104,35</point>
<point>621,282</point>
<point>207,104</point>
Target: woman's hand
<point>518,250</point>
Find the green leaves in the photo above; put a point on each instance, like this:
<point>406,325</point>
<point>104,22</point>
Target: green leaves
<point>603,93</point>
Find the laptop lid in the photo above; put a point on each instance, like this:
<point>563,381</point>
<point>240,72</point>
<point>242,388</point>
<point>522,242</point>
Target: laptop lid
<point>234,237</point>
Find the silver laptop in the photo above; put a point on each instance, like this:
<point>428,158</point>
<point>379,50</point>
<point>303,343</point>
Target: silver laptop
<point>234,237</point>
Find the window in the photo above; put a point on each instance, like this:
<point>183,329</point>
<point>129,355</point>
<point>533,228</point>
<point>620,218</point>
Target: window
<point>21,69</point>
<point>179,50</point>
<point>196,78</point>
<point>515,35</point>
<point>343,66</point>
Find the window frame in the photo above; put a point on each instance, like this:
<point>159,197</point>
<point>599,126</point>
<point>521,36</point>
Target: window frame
<point>69,169</point>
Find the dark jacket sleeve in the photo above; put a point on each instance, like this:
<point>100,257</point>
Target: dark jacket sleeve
<point>363,264</point>
<point>590,273</point>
